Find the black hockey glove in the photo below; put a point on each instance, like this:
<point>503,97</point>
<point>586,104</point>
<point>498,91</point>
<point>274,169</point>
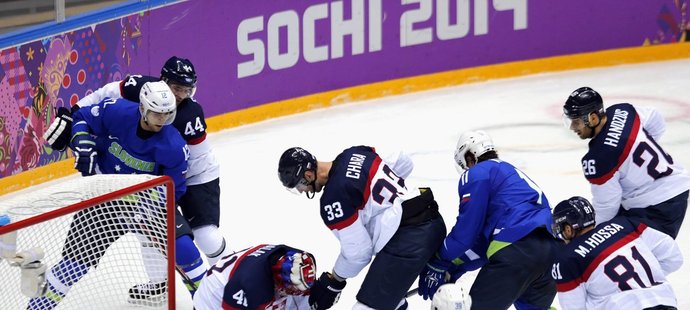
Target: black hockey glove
<point>84,153</point>
<point>325,292</point>
<point>60,130</point>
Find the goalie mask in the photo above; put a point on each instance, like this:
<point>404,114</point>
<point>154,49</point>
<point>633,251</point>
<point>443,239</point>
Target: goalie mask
<point>158,105</point>
<point>475,142</point>
<point>294,272</point>
<point>451,296</point>
<point>576,212</point>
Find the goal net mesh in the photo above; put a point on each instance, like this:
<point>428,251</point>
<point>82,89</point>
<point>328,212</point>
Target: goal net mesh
<point>93,232</point>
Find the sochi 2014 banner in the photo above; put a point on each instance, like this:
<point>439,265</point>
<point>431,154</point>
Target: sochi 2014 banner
<point>249,53</point>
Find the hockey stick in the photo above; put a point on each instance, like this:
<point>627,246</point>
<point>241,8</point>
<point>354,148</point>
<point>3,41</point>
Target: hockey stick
<point>189,283</point>
<point>185,278</point>
<point>412,292</point>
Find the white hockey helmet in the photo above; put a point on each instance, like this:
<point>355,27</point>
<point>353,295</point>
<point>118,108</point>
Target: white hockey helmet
<point>451,296</point>
<point>476,142</point>
<point>158,98</point>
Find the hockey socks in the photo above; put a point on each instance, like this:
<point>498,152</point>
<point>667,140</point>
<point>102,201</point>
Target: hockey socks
<point>60,279</point>
<point>188,258</point>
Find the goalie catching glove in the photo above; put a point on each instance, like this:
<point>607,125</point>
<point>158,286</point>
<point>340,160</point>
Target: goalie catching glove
<point>325,292</point>
<point>58,134</point>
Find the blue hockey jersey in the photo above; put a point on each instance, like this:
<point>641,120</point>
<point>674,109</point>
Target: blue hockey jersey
<point>124,148</point>
<point>499,205</point>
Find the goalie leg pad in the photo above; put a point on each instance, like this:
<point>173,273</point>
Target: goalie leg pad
<point>33,279</point>
<point>8,245</point>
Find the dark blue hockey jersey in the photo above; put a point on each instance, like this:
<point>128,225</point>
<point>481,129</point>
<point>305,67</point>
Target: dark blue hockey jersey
<point>620,264</point>
<point>121,147</point>
<point>246,281</point>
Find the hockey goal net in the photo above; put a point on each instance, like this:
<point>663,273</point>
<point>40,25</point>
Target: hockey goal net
<point>91,231</point>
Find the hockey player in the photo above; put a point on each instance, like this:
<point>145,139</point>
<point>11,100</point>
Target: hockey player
<point>262,277</point>
<point>505,210</point>
<point>118,136</point>
<point>201,203</point>
<point>629,172</point>
<point>619,264</point>
<point>368,207</point>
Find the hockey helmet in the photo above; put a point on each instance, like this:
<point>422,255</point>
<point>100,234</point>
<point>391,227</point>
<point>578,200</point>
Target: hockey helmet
<point>292,165</point>
<point>451,296</point>
<point>158,98</point>
<point>582,102</point>
<point>179,71</point>
<point>476,142</point>
<point>575,211</point>
<point>294,272</point>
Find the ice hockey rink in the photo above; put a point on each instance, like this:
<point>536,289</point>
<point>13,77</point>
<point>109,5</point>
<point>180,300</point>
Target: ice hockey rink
<point>523,115</point>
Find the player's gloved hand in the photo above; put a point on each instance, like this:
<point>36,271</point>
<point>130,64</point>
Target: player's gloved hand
<point>84,153</point>
<point>456,271</point>
<point>325,292</point>
<point>432,276</point>
<point>58,134</point>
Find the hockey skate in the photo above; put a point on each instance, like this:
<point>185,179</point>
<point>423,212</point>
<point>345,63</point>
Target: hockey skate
<point>149,294</point>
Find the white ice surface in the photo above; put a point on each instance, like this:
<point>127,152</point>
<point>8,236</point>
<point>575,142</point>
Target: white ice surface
<point>523,115</point>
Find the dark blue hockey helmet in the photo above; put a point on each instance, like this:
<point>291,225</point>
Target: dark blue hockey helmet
<point>582,102</point>
<point>574,211</point>
<point>179,71</point>
<point>292,165</point>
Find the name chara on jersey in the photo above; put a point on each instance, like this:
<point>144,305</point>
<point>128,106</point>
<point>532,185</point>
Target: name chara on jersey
<point>598,238</point>
<point>354,166</point>
<point>613,136</point>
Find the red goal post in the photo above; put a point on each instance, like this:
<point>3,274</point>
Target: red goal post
<point>107,218</point>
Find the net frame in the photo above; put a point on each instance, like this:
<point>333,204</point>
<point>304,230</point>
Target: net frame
<point>153,182</point>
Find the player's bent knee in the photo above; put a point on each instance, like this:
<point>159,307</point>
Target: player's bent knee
<point>211,242</point>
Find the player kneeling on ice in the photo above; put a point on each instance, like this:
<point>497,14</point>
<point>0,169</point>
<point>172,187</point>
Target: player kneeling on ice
<point>119,136</point>
<point>262,277</point>
<point>619,264</point>
<point>373,213</point>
